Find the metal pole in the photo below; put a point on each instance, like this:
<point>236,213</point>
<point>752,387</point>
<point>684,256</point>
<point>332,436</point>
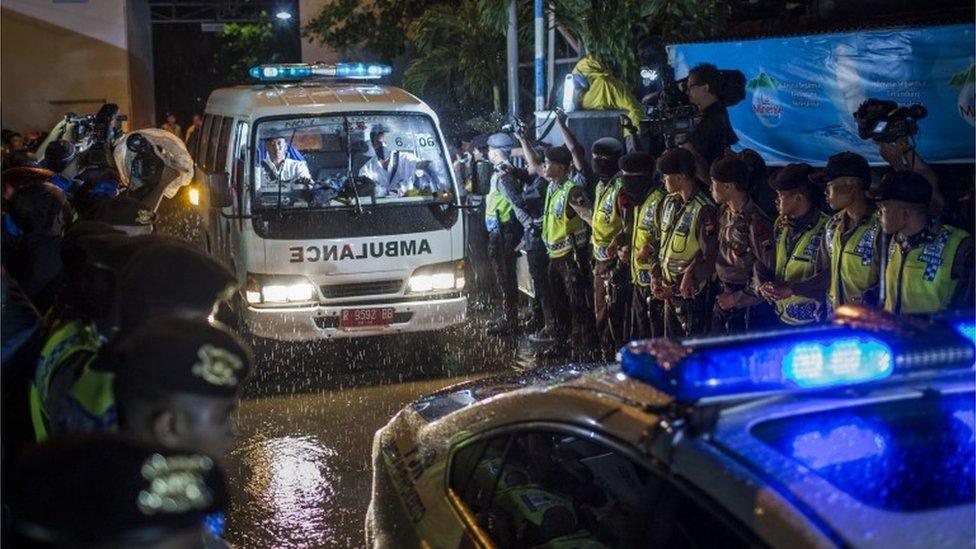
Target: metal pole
<point>513,82</point>
<point>551,58</point>
<point>540,79</point>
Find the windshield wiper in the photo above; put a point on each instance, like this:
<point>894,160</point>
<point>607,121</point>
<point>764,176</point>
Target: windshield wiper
<point>350,181</point>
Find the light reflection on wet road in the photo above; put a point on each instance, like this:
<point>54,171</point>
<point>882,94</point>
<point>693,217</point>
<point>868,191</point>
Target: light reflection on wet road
<point>300,475</point>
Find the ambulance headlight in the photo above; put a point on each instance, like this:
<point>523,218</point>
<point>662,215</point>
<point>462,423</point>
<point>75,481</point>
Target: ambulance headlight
<point>279,290</point>
<point>438,277</point>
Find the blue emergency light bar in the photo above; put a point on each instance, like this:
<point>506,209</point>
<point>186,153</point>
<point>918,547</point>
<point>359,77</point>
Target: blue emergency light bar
<point>280,72</point>
<point>812,358</point>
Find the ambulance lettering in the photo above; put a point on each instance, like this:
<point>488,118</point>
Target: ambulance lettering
<point>395,248</point>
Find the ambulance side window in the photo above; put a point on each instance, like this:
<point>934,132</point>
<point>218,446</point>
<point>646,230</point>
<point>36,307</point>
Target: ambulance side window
<point>543,487</point>
<point>203,142</point>
<point>223,144</point>
<point>237,175</point>
<point>213,150</point>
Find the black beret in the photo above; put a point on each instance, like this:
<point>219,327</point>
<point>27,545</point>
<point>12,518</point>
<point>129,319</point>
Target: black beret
<point>905,187</point>
<point>636,162</point>
<point>106,490</point>
<point>792,176</point>
<point>171,275</point>
<point>848,164</point>
<point>559,155</point>
<point>178,355</point>
<point>607,146</point>
<point>479,141</point>
<point>730,169</point>
<point>122,211</point>
<point>71,250</point>
<point>676,161</point>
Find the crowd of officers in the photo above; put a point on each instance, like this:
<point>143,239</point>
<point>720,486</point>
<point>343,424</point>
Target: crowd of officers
<point>118,386</point>
<point>626,246</point>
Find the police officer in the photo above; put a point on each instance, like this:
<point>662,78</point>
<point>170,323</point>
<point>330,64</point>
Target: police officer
<point>136,280</point>
<point>689,246</point>
<point>532,201</point>
<point>109,491</point>
<point>565,236</point>
<point>745,244</point>
<point>930,265</point>
<point>177,384</point>
<point>641,197</point>
<point>504,230</point>
<point>852,245</point>
<point>796,285</point>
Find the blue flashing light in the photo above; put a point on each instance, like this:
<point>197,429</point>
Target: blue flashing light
<point>967,329</point>
<point>362,70</point>
<point>287,71</point>
<point>298,71</point>
<point>762,363</point>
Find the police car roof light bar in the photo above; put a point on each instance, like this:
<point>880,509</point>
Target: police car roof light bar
<point>280,72</point>
<point>803,359</point>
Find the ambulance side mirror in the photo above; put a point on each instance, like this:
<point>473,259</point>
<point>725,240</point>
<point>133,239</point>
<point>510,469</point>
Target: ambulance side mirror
<point>481,177</point>
<point>219,190</point>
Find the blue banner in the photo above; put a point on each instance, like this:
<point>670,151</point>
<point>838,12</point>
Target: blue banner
<point>801,91</point>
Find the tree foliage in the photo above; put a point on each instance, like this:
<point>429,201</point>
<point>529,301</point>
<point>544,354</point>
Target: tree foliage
<point>384,27</point>
<point>242,46</point>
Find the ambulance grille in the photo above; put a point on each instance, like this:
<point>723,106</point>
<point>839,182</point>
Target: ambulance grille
<point>359,289</point>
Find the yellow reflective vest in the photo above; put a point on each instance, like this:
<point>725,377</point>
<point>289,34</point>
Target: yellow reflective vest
<point>679,235</point>
<point>855,264</point>
<point>498,209</point>
<point>647,229</point>
<point>607,221</point>
<point>795,265</point>
<point>560,232</point>
<point>920,280</point>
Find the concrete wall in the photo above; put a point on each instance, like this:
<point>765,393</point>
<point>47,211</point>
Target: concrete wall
<point>59,57</point>
<point>312,52</point>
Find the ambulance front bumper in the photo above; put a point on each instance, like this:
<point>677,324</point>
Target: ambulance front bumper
<point>323,321</point>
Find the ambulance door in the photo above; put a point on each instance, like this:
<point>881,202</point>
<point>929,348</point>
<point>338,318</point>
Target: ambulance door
<point>232,225</point>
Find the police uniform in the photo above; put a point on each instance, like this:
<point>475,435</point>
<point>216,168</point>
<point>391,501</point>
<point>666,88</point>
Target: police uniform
<point>156,275</point>
<point>565,237</point>
<point>504,234</point>
<point>642,225</point>
<point>797,246</point>
<point>689,244</point>
<point>932,270</point>
<point>851,251</point>
<point>745,246</point>
<point>109,491</point>
<point>611,287</point>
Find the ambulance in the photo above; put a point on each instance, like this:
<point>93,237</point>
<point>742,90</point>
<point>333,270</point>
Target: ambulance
<point>333,200</point>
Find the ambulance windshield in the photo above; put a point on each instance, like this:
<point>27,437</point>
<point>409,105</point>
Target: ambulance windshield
<point>349,161</point>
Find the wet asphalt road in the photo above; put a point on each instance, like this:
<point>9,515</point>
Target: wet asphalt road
<point>301,472</point>
<point>300,475</point>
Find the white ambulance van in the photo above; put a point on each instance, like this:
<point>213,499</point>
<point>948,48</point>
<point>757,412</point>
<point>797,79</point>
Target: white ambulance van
<point>334,201</point>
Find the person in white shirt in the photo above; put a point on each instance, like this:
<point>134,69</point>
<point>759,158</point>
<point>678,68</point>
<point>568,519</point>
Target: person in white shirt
<point>392,172</point>
<point>276,167</point>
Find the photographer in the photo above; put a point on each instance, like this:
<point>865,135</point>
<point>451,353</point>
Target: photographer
<point>902,157</point>
<point>713,134</point>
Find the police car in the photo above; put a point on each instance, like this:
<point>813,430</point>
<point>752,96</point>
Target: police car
<point>859,433</point>
<point>332,199</point>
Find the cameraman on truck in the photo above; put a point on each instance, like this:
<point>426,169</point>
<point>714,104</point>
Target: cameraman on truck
<point>713,134</point>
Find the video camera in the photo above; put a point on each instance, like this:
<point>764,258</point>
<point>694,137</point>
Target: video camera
<point>674,114</point>
<point>96,132</point>
<point>887,121</point>
<point>517,125</point>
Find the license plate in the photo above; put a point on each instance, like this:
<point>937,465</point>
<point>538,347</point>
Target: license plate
<point>357,318</point>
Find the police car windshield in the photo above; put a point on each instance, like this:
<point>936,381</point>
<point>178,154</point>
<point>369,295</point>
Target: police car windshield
<point>349,160</point>
<point>908,455</point>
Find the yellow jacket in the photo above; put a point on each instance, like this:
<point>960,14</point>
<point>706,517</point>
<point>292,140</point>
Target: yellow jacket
<point>606,91</point>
